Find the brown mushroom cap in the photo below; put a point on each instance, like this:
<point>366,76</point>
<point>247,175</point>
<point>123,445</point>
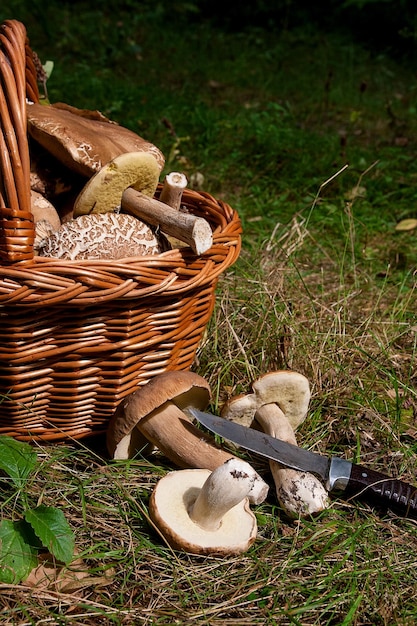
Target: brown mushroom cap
<point>183,389</point>
<point>81,143</point>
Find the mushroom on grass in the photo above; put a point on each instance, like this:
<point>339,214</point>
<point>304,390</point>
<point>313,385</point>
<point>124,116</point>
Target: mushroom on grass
<point>207,513</point>
<point>156,409</point>
<point>279,403</point>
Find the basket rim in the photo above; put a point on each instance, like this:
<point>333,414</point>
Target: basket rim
<point>45,281</point>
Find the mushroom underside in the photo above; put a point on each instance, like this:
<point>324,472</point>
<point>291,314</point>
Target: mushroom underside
<point>170,502</point>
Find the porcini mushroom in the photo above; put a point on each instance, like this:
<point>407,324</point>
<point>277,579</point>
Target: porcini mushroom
<point>157,409</point>
<point>129,182</point>
<point>279,403</point>
<point>83,141</point>
<point>205,512</point>
<point>45,216</point>
<point>101,236</point>
<point>104,191</point>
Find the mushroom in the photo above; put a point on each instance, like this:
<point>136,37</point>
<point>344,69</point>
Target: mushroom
<point>172,189</point>
<point>103,192</point>
<point>83,141</point>
<point>129,182</point>
<point>205,512</point>
<point>45,216</point>
<point>279,403</point>
<point>156,409</point>
<point>101,236</point>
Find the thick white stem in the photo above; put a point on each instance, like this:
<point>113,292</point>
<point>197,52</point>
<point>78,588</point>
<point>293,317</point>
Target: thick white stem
<point>191,229</point>
<point>275,423</point>
<point>299,493</point>
<point>226,486</point>
<point>173,186</point>
<point>173,433</point>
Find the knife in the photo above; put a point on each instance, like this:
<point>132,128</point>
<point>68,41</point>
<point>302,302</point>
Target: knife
<point>338,475</point>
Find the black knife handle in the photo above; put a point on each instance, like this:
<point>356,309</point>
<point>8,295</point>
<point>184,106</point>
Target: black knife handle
<point>382,491</point>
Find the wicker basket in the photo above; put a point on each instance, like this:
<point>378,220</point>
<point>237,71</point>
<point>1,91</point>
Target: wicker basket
<point>77,337</point>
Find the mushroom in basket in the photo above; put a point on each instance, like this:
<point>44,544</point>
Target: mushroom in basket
<point>123,166</point>
<point>82,140</point>
<point>101,232</point>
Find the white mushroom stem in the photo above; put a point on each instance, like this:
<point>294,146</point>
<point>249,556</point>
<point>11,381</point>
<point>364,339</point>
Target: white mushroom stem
<point>193,230</point>
<point>299,493</point>
<point>172,189</point>
<point>226,487</point>
<point>275,423</point>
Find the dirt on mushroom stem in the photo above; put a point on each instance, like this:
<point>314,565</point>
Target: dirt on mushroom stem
<point>274,395</point>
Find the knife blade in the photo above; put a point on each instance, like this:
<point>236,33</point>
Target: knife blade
<point>339,475</point>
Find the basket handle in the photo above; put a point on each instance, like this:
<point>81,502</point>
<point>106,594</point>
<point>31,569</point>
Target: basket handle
<point>18,81</point>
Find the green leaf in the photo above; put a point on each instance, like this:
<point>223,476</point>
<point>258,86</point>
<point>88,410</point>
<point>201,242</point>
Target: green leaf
<point>52,528</point>
<point>17,459</point>
<point>18,554</point>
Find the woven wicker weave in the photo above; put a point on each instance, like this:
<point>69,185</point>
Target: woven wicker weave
<point>77,337</point>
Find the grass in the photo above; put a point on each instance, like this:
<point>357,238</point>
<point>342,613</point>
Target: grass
<point>325,285</point>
